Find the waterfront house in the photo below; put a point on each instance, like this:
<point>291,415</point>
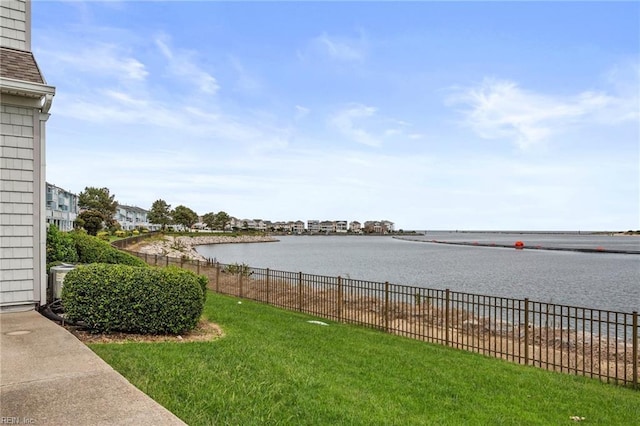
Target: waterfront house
<point>313,226</point>
<point>61,207</point>
<point>132,217</point>
<point>355,227</point>
<point>378,227</point>
<point>327,226</point>
<point>341,226</point>
<point>297,227</point>
<point>24,111</point>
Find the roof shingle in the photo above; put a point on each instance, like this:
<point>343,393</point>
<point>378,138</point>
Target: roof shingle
<point>19,65</point>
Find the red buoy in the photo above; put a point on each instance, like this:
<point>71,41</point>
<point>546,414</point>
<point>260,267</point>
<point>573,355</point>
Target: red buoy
<point>519,245</point>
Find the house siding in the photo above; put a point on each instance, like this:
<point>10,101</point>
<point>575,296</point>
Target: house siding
<point>17,200</point>
<point>23,113</point>
<point>14,15</point>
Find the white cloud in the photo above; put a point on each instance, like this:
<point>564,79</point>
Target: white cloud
<point>336,48</point>
<point>301,112</point>
<point>346,121</point>
<point>183,64</point>
<point>341,48</point>
<point>500,109</point>
<point>245,82</point>
<point>624,80</point>
<point>125,98</point>
<point>100,59</point>
<point>364,125</point>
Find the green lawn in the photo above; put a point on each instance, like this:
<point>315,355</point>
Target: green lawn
<point>273,367</point>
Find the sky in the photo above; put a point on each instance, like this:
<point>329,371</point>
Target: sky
<point>440,116</point>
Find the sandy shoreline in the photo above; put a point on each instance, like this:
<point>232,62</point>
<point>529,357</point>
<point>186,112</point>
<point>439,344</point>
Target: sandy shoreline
<point>185,247</point>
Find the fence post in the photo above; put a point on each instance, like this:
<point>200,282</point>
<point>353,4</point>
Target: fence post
<point>635,349</point>
<point>217,278</point>
<point>446,317</point>
<point>155,259</point>
<point>146,260</point>
<point>300,291</point>
<point>240,274</point>
<point>267,286</point>
<point>340,299</point>
<point>198,267</point>
<point>166,261</point>
<point>526,331</point>
<point>386,306</point>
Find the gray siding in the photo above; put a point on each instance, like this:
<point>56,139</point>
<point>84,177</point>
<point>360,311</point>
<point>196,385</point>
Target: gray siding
<point>14,24</point>
<point>17,202</point>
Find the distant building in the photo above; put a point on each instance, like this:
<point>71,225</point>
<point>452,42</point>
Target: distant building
<point>130,218</point>
<point>61,207</point>
<point>243,224</point>
<point>378,227</point>
<point>297,227</point>
<point>341,226</point>
<point>313,226</point>
<point>24,111</point>
<point>355,227</point>
<point>388,226</point>
<point>327,226</point>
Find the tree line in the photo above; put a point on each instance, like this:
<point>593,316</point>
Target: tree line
<point>99,207</point>
<point>162,214</point>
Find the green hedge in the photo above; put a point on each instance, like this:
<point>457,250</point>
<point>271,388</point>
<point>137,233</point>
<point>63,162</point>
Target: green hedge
<point>60,246</point>
<point>134,299</point>
<point>80,247</point>
<point>93,250</point>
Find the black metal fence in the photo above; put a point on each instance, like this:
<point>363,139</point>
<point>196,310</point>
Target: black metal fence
<point>576,340</point>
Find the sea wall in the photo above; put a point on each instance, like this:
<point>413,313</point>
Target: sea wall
<point>185,247</point>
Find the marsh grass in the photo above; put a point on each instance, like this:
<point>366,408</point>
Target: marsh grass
<point>273,367</point>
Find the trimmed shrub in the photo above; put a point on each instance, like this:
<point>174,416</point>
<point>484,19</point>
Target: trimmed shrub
<point>60,246</point>
<point>93,250</point>
<point>134,299</point>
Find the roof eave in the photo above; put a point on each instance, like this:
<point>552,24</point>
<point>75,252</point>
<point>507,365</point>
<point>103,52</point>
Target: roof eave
<point>10,86</point>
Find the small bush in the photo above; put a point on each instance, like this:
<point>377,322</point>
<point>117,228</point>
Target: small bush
<point>103,235</point>
<point>120,233</point>
<point>93,250</point>
<point>237,268</point>
<point>134,299</point>
<point>135,232</point>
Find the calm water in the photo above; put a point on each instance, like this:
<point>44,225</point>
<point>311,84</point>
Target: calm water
<point>594,280</point>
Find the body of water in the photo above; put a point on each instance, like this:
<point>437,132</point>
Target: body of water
<point>593,280</point>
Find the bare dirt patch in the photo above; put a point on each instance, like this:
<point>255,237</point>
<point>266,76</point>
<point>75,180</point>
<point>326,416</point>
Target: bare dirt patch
<point>205,331</point>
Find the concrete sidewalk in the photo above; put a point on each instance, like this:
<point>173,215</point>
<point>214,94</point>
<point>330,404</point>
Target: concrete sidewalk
<point>47,376</point>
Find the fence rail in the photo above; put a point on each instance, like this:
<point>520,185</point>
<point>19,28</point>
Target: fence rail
<point>576,340</point>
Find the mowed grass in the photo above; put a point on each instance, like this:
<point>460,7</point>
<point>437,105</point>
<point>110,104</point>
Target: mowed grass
<point>273,367</point>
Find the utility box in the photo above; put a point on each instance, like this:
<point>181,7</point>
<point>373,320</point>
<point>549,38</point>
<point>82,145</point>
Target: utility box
<point>56,280</point>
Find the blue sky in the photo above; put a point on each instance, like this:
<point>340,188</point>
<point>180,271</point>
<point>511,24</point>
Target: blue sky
<point>481,115</point>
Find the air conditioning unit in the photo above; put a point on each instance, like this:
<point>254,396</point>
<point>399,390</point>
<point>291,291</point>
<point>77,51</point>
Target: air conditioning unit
<point>56,280</point>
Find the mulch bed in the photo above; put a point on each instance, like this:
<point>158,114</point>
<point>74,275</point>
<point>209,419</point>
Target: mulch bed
<point>204,331</point>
